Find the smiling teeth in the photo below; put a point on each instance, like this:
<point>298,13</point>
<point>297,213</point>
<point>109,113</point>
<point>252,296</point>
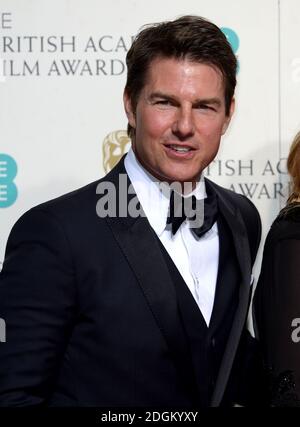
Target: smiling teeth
<point>180,149</point>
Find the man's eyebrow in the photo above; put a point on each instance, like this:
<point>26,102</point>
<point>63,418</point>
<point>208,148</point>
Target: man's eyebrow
<point>210,101</point>
<point>155,95</point>
<point>200,101</point>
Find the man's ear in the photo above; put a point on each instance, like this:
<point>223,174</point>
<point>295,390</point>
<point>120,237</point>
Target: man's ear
<point>129,110</point>
<point>228,118</point>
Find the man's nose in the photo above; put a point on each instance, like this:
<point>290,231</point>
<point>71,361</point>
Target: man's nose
<point>183,126</point>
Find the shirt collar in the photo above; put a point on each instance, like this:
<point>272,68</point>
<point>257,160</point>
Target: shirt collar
<point>153,194</point>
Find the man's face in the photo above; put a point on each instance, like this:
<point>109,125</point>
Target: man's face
<point>179,119</point>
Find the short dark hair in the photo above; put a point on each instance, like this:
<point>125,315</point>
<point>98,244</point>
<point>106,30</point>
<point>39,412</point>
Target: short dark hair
<point>188,37</point>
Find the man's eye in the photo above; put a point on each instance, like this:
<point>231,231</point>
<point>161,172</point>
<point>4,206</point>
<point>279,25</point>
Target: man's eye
<point>163,102</point>
<point>206,107</point>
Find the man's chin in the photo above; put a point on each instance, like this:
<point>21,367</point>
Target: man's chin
<point>184,178</point>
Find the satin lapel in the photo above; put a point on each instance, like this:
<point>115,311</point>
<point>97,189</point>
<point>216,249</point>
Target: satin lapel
<point>224,289</point>
<point>140,247</point>
<point>235,222</point>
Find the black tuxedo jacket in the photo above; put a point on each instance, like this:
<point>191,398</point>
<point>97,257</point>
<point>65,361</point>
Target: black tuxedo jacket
<point>91,310</point>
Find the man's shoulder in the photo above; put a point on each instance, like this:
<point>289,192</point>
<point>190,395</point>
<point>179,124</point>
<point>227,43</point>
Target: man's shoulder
<point>77,199</point>
<point>82,197</point>
<point>68,211</point>
<point>249,214</point>
<point>245,205</point>
<point>76,208</point>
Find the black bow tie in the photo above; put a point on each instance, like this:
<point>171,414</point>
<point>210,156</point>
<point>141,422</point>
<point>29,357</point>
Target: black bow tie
<point>201,217</point>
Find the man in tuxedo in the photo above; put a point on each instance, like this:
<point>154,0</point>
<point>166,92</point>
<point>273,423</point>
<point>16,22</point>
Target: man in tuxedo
<point>110,309</point>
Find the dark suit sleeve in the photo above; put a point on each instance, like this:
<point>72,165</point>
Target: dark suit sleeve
<point>37,302</point>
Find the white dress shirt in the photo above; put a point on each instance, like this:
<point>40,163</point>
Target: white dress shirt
<point>196,259</point>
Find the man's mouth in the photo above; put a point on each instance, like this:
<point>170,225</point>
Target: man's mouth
<point>180,148</point>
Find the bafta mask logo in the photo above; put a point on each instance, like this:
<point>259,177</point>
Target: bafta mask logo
<point>115,145</point>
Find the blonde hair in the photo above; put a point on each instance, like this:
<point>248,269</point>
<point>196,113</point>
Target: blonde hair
<point>293,166</point>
